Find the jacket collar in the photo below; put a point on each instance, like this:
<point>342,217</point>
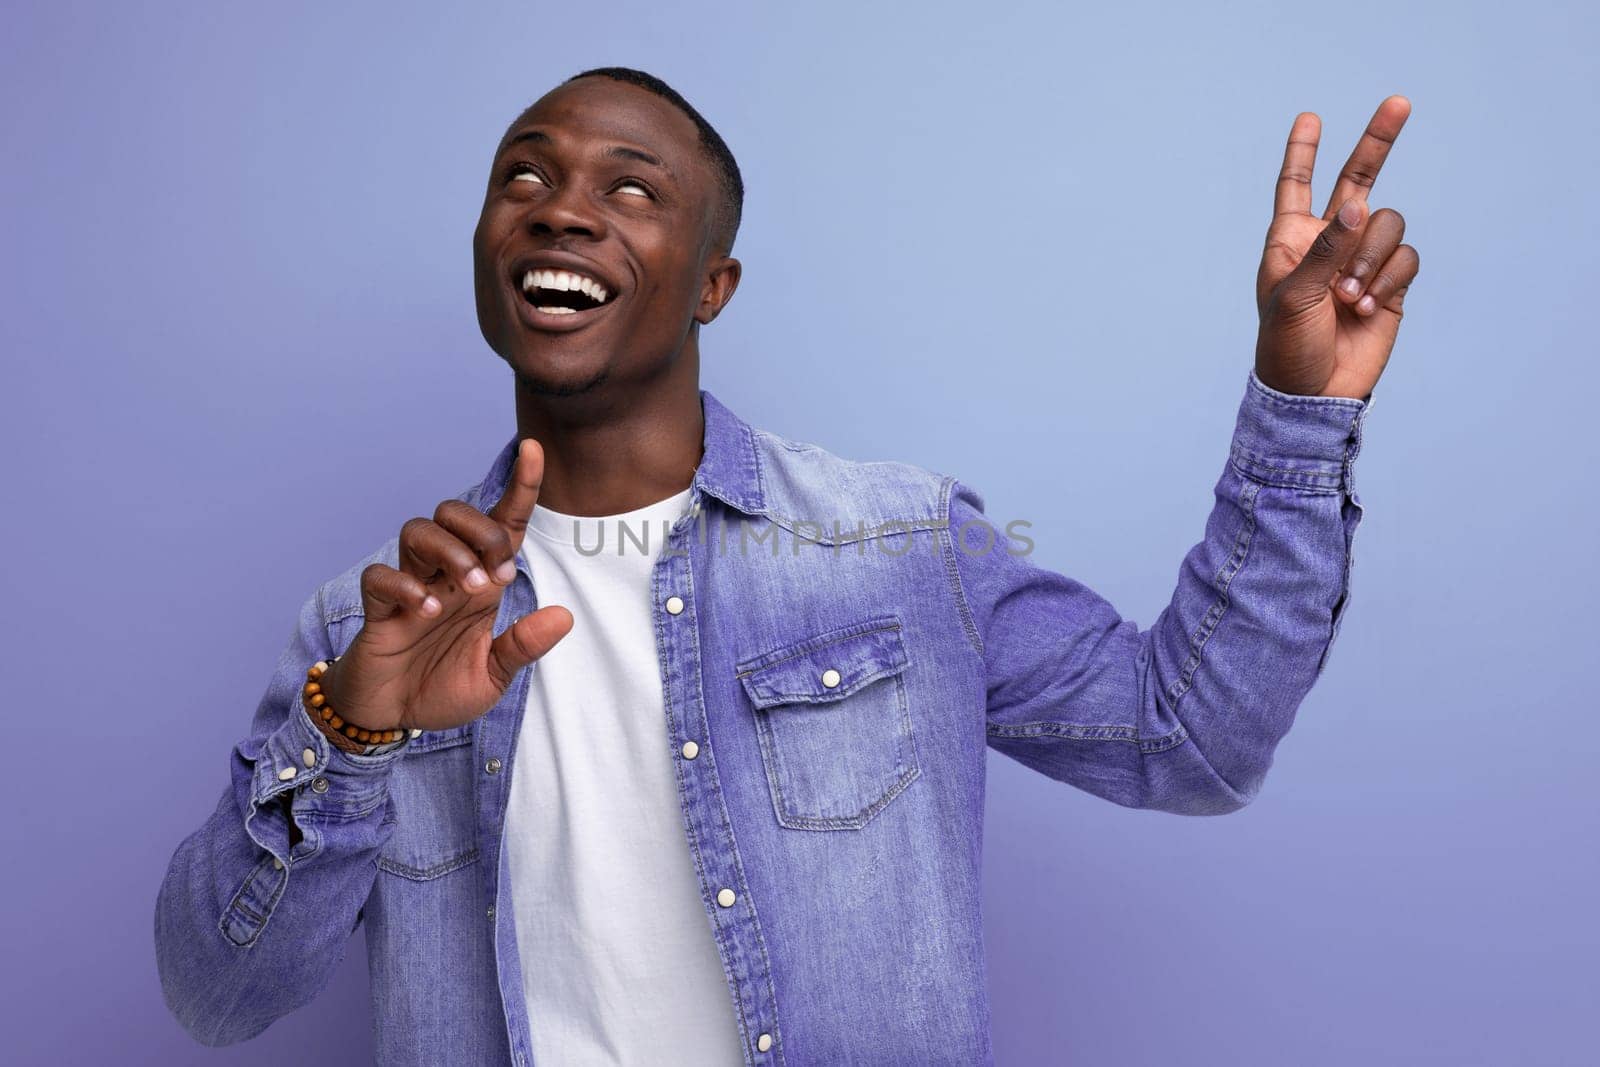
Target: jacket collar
<point>729,469</point>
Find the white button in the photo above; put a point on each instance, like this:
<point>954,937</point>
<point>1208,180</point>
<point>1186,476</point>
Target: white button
<point>416,733</point>
<point>286,774</point>
<point>310,757</point>
<point>690,750</point>
<point>830,678</point>
<point>726,898</point>
<point>277,864</point>
<point>674,605</point>
<point>763,1043</point>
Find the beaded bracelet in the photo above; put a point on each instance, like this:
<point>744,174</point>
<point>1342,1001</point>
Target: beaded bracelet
<point>318,702</point>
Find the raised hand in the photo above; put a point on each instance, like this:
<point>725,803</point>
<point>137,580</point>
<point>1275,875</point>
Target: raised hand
<point>426,656</point>
<point>1331,290</point>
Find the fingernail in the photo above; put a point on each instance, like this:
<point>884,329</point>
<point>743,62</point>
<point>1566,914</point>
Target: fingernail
<point>506,572</point>
<point>476,578</point>
<point>1350,214</point>
<point>431,605</point>
<point>1366,305</point>
<point>1350,286</point>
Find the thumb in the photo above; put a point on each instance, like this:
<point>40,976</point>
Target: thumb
<point>1329,252</point>
<point>525,641</point>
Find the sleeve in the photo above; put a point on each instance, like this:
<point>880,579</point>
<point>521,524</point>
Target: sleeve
<point>1183,716</point>
<point>258,904</point>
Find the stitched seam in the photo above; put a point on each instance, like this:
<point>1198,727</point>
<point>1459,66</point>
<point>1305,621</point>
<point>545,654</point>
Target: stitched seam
<point>765,695</point>
<point>342,614</point>
<point>784,810</point>
<point>422,874</point>
<point>1357,512</point>
<point>851,822</point>
<point>953,571</point>
<point>1319,481</point>
<point>902,526</point>
<point>319,811</point>
<point>715,798</point>
<point>1219,607</point>
<point>761,478</point>
<point>1056,731</point>
<point>1259,464</point>
<point>425,744</point>
<point>260,921</point>
<point>1281,399</point>
<point>817,648</point>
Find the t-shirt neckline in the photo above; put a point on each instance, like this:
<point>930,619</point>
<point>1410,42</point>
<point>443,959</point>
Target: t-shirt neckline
<point>558,527</point>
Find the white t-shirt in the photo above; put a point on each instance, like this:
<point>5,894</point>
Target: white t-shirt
<point>619,965</point>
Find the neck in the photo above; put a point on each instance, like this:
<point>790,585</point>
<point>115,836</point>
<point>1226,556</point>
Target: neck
<point>620,446</point>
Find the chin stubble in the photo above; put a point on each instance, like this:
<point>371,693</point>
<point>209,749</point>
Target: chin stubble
<point>549,388</point>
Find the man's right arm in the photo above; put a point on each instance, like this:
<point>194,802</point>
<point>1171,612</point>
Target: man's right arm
<point>258,905</point>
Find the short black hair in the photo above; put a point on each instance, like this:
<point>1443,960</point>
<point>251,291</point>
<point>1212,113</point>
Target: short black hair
<point>730,209</point>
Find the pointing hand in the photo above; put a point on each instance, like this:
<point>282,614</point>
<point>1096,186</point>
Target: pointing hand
<point>426,656</point>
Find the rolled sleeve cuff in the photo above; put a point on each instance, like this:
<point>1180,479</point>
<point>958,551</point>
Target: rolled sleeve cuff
<point>298,754</point>
<point>1303,442</point>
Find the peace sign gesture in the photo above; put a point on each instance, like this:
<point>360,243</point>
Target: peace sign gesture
<point>1331,289</point>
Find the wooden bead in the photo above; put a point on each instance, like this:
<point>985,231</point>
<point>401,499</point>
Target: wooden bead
<point>312,687</point>
<point>364,736</point>
<point>351,730</point>
<point>336,722</point>
<point>318,700</point>
<point>326,714</point>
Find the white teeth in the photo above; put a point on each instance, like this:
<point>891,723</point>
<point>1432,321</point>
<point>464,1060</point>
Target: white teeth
<point>564,281</point>
<point>558,311</point>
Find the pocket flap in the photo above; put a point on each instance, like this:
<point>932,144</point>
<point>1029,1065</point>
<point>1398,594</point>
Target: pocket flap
<point>848,658</point>
<point>429,740</point>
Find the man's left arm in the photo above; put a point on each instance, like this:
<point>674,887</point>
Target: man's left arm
<point>1184,716</point>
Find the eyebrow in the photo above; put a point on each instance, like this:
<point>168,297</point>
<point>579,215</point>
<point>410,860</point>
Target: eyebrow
<point>615,151</point>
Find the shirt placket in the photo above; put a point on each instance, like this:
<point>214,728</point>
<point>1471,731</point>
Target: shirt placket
<point>723,888</point>
<point>494,749</point>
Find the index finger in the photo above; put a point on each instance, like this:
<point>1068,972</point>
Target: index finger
<point>515,505</point>
<point>1293,195</point>
<point>1366,159</point>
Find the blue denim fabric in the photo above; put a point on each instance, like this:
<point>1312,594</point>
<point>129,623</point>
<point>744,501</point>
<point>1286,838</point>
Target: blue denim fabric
<point>854,637</point>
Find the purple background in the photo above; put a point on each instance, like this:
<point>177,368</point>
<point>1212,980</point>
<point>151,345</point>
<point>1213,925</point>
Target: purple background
<point>240,350</point>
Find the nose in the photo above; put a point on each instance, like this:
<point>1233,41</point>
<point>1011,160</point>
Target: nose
<point>567,210</point>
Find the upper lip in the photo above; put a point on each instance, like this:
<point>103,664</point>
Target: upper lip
<point>551,260</point>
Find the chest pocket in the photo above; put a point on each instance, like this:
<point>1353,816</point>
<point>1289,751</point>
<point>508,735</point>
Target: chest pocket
<point>432,803</point>
<point>833,724</point>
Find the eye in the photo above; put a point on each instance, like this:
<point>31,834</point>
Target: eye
<point>522,172</point>
<point>634,187</point>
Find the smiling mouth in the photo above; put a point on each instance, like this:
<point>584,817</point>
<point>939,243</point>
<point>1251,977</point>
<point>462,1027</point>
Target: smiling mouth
<point>563,292</point>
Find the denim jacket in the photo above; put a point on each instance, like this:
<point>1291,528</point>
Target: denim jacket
<point>844,642</point>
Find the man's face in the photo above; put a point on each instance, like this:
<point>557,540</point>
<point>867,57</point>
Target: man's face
<point>606,181</point>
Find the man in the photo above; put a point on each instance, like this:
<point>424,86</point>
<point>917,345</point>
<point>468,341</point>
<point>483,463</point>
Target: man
<point>745,820</point>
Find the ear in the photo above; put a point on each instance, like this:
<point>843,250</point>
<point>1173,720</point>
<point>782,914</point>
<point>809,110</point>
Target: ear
<point>722,278</point>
